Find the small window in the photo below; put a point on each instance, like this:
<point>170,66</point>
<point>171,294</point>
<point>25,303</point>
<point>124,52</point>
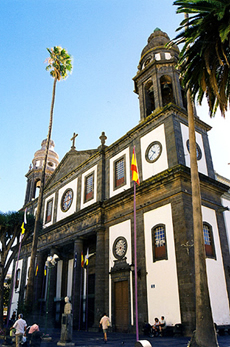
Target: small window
<point>159,243</point>
<point>119,169</point>
<point>208,241</point>
<point>49,208</point>
<point>89,187</point>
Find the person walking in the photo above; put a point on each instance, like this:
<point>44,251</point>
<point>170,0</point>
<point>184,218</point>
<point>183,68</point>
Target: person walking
<point>20,326</point>
<point>104,322</point>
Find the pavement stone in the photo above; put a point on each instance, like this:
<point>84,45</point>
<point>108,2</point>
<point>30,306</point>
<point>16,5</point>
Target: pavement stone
<point>91,339</point>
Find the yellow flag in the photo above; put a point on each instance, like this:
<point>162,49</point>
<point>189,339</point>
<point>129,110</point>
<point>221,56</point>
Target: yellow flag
<point>23,229</point>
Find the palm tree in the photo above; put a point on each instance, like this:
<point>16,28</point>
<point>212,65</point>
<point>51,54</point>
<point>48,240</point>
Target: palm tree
<point>204,63</point>
<point>205,56</point>
<point>60,64</point>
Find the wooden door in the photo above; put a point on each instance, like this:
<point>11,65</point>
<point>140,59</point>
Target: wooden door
<point>121,306</point>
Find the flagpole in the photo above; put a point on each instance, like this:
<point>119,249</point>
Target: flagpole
<point>135,179</point>
<point>135,263</point>
<point>74,282</point>
<point>87,288</point>
<point>79,323</point>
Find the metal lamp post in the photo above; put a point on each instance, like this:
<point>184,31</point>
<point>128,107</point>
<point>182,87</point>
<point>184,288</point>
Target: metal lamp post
<point>51,261</point>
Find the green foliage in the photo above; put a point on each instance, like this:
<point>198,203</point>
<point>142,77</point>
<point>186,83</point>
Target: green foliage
<point>6,292</point>
<point>60,62</point>
<point>205,57</point>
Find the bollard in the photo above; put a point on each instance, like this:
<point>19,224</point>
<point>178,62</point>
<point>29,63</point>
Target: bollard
<point>143,343</point>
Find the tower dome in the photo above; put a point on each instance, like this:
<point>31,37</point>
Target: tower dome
<point>156,49</point>
<point>157,40</point>
<point>35,170</point>
<point>52,160</point>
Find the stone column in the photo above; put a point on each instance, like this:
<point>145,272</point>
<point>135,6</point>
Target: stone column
<point>38,279</point>
<point>99,277</point>
<point>77,283</point>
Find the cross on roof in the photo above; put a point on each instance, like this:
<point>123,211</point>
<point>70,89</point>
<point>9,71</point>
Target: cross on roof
<point>73,139</point>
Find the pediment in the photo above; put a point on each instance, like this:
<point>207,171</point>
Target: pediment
<point>70,161</point>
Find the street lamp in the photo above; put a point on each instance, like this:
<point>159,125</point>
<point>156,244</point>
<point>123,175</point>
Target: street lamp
<point>51,261</point>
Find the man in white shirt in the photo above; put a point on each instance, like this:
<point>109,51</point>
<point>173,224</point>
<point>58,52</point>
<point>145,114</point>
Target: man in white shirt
<point>105,324</point>
<point>20,326</point>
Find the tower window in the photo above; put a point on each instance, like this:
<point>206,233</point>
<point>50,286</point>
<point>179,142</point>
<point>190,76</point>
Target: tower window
<point>149,98</point>
<point>119,171</point>
<point>49,208</point>
<point>208,241</point>
<point>166,90</point>
<point>167,56</point>
<point>158,56</point>
<point>159,243</point>
<point>89,187</point>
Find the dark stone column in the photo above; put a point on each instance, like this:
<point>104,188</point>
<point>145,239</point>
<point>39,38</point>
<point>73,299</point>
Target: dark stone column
<point>99,278</point>
<point>38,280</point>
<point>77,282</point>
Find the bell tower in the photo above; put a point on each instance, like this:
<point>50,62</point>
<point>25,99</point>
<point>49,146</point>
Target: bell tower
<point>35,170</point>
<point>157,80</point>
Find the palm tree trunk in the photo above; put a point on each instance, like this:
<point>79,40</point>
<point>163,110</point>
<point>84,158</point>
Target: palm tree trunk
<point>30,284</point>
<point>205,335</point>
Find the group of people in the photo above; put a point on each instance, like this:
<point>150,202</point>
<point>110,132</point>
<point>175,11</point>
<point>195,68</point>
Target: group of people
<point>159,325</point>
<point>31,333</point>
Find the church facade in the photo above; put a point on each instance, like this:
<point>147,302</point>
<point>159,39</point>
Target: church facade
<point>88,218</point>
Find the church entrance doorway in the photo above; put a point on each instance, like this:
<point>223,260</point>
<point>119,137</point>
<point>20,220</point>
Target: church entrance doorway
<point>121,306</point>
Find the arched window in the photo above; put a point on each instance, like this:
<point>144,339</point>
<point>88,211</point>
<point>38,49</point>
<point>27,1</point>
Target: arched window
<point>37,186</point>
<point>208,241</point>
<point>149,98</point>
<point>166,90</point>
<point>159,243</point>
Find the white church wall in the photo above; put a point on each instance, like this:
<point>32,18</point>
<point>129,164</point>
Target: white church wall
<point>27,269</point>
<point>215,273</point>
<point>63,214</point>
<point>116,191</point>
<point>59,277</point>
<point>162,283</point>
<point>70,278</point>
<point>226,203</point>
<point>202,167</point>
<point>161,164</point>
<point>15,295</point>
<point>85,174</point>
<point>120,229</point>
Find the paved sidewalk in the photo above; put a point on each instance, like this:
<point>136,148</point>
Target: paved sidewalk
<point>90,339</point>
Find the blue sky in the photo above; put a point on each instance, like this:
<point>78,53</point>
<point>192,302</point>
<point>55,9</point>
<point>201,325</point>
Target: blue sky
<point>105,38</point>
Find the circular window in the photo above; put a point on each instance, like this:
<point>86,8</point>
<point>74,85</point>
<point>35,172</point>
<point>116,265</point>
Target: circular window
<point>198,150</point>
<point>67,199</point>
<point>120,247</point>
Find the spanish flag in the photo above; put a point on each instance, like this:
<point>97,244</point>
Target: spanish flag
<point>135,176</point>
<point>36,271</point>
<point>82,260</point>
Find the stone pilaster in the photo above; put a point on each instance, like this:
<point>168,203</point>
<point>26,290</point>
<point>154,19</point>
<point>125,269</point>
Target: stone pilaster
<point>99,277</point>
<point>77,282</point>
